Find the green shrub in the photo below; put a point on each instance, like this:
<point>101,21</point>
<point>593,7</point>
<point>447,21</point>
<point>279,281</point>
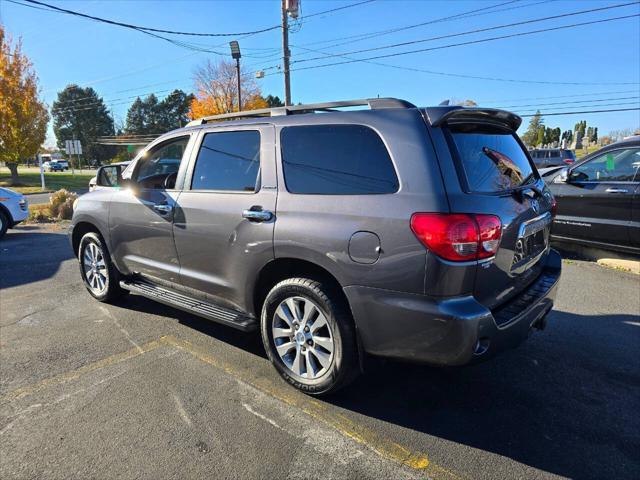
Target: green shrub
<point>61,204</point>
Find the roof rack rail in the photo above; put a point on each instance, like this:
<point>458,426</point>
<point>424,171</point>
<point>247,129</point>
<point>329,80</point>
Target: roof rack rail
<point>372,103</point>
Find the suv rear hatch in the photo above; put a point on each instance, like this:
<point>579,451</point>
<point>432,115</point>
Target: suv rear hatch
<point>488,173</point>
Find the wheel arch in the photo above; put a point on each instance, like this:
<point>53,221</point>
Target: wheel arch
<point>288,267</point>
<point>80,229</point>
<point>7,213</point>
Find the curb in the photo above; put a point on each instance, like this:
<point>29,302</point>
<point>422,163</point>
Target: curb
<point>631,266</point>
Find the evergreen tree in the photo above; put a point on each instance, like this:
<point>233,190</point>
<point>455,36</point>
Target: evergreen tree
<point>80,114</point>
<point>530,137</point>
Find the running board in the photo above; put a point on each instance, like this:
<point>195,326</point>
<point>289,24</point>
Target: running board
<point>198,307</point>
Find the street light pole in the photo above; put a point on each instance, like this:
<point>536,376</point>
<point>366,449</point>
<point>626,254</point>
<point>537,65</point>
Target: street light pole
<point>235,53</point>
<point>286,54</point>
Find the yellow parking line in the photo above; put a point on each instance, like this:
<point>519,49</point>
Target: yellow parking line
<point>77,373</point>
<point>319,411</point>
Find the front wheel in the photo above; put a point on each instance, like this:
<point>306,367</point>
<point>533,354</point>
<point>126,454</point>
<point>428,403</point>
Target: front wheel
<point>100,276</point>
<point>308,333</point>
<point>4,223</point>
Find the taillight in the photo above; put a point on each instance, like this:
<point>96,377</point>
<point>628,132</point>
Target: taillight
<point>554,207</point>
<point>458,236</point>
<point>568,161</point>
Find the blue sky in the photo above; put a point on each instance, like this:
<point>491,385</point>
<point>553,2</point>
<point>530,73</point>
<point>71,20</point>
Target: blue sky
<point>121,63</point>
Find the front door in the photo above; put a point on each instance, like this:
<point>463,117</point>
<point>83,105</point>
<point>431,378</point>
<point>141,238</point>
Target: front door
<point>141,217</point>
<point>595,202</point>
<point>223,226</point>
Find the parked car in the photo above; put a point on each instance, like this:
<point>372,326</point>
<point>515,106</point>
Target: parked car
<point>64,163</point>
<point>599,199</point>
<point>396,231</point>
<point>549,157</point>
<point>14,209</point>
<point>53,166</point>
<point>107,181</point>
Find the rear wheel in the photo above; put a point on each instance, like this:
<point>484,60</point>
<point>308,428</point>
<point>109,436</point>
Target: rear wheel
<point>309,336</point>
<point>100,276</point>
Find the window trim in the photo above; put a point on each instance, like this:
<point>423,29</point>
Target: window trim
<point>368,127</point>
<point>188,180</point>
<point>636,177</point>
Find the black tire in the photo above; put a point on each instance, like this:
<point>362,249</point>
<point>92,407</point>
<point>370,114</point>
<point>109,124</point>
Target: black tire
<point>343,367</point>
<point>111,289</point>
<point>4,223</point>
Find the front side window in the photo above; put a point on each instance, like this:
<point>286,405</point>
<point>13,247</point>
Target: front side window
<point>336,160</point>
<point>228,161</point>
<point>492,160</point>
<point>616,166</point>
<point>158,168</point>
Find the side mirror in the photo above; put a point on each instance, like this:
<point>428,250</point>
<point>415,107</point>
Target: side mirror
<point>109,176</point>
<point>562,177</point>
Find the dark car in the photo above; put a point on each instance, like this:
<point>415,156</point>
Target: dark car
<point>550,157</point>
<point>599,199</point>
<point>397,231</point>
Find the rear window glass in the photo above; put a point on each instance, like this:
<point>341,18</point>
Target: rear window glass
<point>568,154</point>
<point>336,160</point>
<point>492,161</point>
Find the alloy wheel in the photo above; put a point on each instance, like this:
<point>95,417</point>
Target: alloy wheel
<point>95,269</point>
<point>303,337</point>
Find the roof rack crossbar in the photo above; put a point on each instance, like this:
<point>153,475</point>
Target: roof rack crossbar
<point>372,103</point>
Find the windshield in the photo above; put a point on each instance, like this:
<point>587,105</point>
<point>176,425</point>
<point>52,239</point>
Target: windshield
<point>492,161</point>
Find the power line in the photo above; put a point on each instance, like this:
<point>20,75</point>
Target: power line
<point>344,7</point>
<point>574,101</point>
<point>460,75</point>
<point>584,112</point>
<point>139,28</point>
<point>477,12</point>
<point>484,40</point>
<point>560,96</point>
<point>615,104</point>
<point>480,30</point>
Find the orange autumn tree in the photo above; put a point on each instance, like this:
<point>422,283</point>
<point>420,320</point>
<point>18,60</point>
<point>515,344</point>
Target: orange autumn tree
<point>23,116</point>
<point>217,90</point>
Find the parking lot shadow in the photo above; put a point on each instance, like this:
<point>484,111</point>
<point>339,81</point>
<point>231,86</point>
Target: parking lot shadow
<point>565,402</point>
<point>29,254</point>
<point>249,342</point>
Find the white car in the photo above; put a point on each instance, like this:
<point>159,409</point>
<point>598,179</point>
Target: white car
<point>14,209</point>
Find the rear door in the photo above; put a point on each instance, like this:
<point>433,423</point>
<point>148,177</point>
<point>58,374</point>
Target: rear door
<point>223,226</point>
<point>595,203</point>
<point>488,172</point>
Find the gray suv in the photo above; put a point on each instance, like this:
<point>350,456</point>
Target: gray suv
<point>396,231</point>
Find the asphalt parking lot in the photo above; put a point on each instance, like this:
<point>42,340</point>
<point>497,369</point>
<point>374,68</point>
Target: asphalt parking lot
<point>139,390</point>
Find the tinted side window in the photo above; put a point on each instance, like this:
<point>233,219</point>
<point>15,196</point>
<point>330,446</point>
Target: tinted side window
<point>336,160</point>
<point>162,162</point>
<point>228,161</point>
<point>615,166</point>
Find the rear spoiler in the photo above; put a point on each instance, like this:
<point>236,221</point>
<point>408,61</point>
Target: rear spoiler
<point>452,115</point>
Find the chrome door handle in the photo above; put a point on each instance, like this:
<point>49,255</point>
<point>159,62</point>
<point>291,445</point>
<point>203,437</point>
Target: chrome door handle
<point>257,215</point>
<point>616,190</point>
<point>162,209</point>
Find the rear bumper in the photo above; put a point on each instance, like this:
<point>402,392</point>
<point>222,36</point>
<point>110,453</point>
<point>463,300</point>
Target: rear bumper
<point>453,331</point>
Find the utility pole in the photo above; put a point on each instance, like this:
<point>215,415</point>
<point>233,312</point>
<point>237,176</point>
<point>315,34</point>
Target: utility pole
<point>285,54</point>
<point>235,53</point>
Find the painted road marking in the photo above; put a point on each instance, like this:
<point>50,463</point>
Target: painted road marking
<point>314,408</point>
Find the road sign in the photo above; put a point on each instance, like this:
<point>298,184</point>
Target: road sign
<point>73,147</point>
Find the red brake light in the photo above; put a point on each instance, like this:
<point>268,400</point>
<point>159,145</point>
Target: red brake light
<point>554,207</point>
<point>458,236</point>
<point>568,161</point>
